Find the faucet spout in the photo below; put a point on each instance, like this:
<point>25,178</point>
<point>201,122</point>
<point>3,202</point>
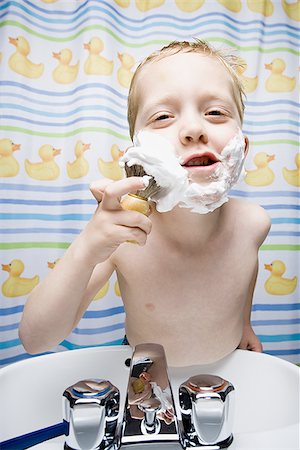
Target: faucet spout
<point>149,411</point>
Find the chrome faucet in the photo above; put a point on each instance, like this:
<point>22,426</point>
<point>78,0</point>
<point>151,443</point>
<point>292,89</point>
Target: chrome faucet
<point>206,404</point>
<point>204,420</point>
<point>149,411</point>
<point>91,409</point>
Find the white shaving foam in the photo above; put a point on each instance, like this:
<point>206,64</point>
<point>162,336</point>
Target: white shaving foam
<point>206,198</point>
<point>158,158</point>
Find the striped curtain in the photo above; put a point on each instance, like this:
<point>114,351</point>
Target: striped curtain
<point>65,68</point>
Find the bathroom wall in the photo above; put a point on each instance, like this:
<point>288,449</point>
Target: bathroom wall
<point>63,124</point>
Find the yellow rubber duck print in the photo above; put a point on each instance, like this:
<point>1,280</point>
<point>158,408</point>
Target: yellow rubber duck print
<point>277,82</point>
<point>276,284</point>
<point>249,83</point>
<point>263,175</point>
<point>292,176</point>
<point>102,292</point>
<point>125,72</point>
<point>112,169</point>
<point>190,6</point>
<point>79,167</point>
<point>19,63</point>
<point>292,10</point>
<point>117,289</point>
<point>9,166</point>
<point>65,72</point>
<point>15,286</point>
<point>232,5</point>
<point>264,7</point>
<point>123,3</point>
<point>47,169</point>
<point>146,5</point>
<point>95,63</point>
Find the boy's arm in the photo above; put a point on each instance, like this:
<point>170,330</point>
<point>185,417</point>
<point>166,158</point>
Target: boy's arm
<point>56,305</point>
<point>249,339</point>
<point>261,224</point>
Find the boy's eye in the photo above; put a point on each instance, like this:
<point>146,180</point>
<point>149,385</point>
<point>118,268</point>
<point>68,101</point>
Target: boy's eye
<point>162,117</point>
<point>215,112</point>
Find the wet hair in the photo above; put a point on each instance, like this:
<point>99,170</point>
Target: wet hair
<point>232,64</point>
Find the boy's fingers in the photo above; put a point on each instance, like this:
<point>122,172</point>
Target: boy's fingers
<point>114,191</point>
<point>97,188</point>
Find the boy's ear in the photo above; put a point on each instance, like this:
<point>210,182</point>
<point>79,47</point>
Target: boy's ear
<point>246,146</point>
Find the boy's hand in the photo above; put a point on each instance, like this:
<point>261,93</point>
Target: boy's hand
<point>111,225</point>
<point>250,341</point>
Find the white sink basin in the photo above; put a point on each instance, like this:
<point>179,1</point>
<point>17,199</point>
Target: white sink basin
<point>266,400</point>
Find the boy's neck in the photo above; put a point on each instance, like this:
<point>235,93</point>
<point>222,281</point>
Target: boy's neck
<point>181,226</point>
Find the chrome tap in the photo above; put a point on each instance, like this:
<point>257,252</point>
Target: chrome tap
<point>206,404</point>
<point>91,409</point>
<point>149,411</point>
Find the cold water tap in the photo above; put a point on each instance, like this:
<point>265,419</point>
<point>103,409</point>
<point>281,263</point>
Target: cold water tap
<point>91,410</point>
<point>206,404</point>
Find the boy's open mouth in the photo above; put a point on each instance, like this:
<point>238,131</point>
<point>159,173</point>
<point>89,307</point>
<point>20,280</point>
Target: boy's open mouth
<point>204,163</point>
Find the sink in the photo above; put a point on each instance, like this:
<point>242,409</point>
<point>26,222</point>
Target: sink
<point>266,400</point>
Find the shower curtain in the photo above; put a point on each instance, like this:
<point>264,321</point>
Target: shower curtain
<point>65,68</point>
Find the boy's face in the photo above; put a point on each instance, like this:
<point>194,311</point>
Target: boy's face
<point>188,98</point>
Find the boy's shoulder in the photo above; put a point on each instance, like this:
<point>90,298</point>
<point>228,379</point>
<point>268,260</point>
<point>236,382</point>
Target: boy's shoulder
<point>252,217</point>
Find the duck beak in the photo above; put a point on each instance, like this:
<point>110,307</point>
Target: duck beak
<point>55,55</point>
<point>86,147</point>
<point>268,66</point>
<point>50,265</point>
<point>5,267</point>
<point>12,41</point>
<point>270,158</point>
<point>86,46</point>
<point>16,147</point>
<point>56,151</point>
<point>268,267</point>
<point>120,56</point>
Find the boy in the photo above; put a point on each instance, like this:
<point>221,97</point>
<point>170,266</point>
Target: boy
<point>188,285</point>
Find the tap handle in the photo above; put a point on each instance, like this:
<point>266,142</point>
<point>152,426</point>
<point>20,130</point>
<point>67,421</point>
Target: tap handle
<point>91,408</point>
<point>150,423</point>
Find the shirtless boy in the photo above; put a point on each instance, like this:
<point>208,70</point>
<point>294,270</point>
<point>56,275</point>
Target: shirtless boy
<point>189,283</point>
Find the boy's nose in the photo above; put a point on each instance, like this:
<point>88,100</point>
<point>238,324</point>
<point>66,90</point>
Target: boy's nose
<point>193,132</point>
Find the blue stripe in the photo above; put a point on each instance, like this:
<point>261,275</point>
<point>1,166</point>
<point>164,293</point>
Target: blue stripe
<point>99,330</point>
<point>284,233</point>
<point>48,217</point>
<point>281,206</point>
<point>263,133</point>
<point>13,326</point>
<point>74,100</point>
<point>65,124</point>
<point>9,344</point>
<point>279,337</point>
<point>42,188</point>
<point>75,201</point>
<point>288,352</point>
<point>104,313</point>
<point>79,109</point>
<point>280,220</point>
<point>84,87</point>
<point>35,437</point>
<point>258,323</point>
<point>70,346</point>
<point>11,310</point>
<point>40,231</point>
<point>259,194</point>
<point>276,307</point>
<point>114,13</point>
<point>263,112</point>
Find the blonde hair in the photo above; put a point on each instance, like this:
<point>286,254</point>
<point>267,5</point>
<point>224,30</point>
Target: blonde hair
<point>231,63</point>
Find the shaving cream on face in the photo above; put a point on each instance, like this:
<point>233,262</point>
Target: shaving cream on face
<point>206,198</point>
<point>158,158</point>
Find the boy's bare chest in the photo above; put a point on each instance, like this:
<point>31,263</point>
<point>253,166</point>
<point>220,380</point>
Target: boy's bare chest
<point>161,280</point>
